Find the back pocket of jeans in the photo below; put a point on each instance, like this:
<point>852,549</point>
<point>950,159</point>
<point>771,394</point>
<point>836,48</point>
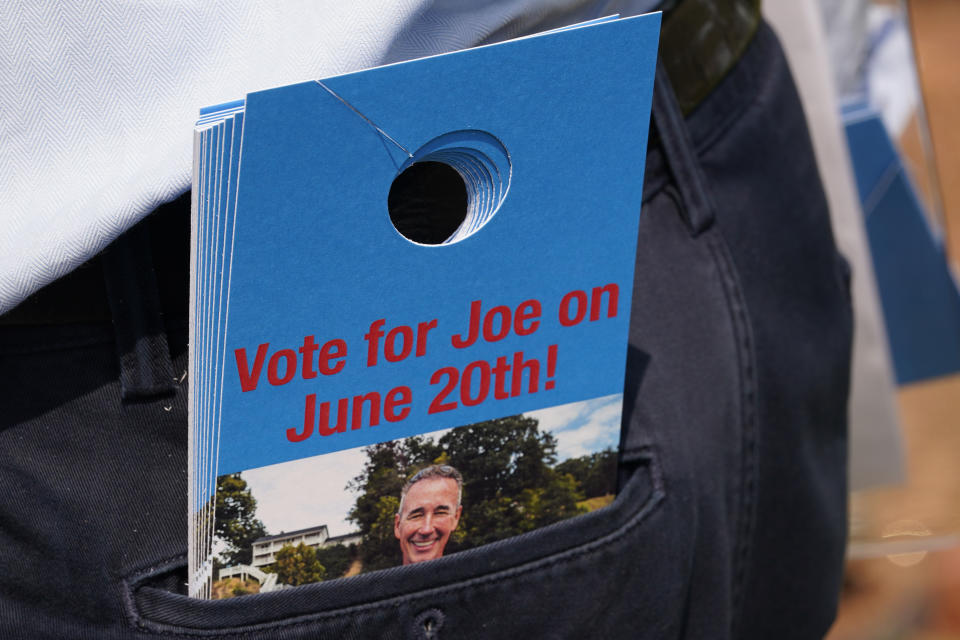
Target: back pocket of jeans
<point>567,574</point>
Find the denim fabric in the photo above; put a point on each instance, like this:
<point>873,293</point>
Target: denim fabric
<point>730,522</point>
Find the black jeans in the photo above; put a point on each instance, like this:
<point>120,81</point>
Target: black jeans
<point>730,521</point>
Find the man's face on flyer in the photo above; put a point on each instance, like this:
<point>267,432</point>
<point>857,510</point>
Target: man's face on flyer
<point>430,514</point>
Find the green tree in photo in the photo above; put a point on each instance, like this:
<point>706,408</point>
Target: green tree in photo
<point>298,565</point>
<point>379,547</point>
<point>500,457</point>
<point>595,473</point>
<point>556,500</point>
<point>236,522</point>
<point>336,560</point>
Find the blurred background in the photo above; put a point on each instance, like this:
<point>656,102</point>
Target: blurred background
<point>891,116</point>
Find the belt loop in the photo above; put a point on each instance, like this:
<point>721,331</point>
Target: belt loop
<point>680,155</point>
<point>145,367</point>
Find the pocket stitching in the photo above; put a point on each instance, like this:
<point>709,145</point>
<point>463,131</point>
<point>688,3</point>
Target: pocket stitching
<point>749,411</point>
<point>655,497</point>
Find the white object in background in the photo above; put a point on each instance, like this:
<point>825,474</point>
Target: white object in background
<point>891,80</point>
<point>845,24</point>
<point>876,448</point>
<point>871,57</point>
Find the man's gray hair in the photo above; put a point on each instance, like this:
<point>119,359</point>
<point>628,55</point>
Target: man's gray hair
<point>433,471</point>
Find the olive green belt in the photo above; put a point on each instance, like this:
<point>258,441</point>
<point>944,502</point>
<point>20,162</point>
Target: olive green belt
<point>701,41</point>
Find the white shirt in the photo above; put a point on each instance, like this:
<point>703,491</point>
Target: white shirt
<point>98,97</point>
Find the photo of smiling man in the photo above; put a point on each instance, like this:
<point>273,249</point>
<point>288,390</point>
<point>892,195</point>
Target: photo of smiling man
<point>439,493</point>
<point>429,512</point>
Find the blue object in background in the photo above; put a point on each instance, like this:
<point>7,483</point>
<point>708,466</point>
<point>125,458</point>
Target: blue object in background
<point>920,300</point>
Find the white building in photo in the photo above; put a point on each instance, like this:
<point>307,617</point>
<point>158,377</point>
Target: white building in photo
<point>265,548</point>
